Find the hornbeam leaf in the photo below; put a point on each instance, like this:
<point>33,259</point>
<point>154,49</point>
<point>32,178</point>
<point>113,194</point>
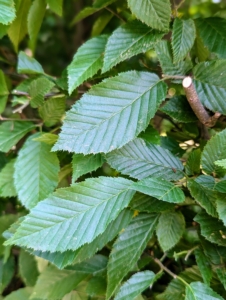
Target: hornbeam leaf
<point>214,150</point>
<point>112,113</point>
<point>8,12</point>
<point>209,80</point>
<point>221,163</point>
<point>205,197</point>
<point>139,160</point>
<point>28,65</point>
<point>7,188</point>
<point>204,266</point>
<point>200,291</point>
<point>127,249</point>
<point>53,284</point>
<point>73,216</point>
<point>37,90</point>
<point>135,285</point>
<point>56,6</point>
<point>36,172</point>
<point>52,110</point>
<point>155,13</point>
<point>183,38</point>
<point>160,189</point>
<point>83,164</point>
<point>175,224</point>
<point>128,40</point>
<point>86,62</point>
<point>212,33</point>
<point>61,260</point>
<point>211,228</point>
<point>11,132</point>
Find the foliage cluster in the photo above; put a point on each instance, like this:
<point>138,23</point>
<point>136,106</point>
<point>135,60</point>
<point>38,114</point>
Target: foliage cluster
<point>124,195</point>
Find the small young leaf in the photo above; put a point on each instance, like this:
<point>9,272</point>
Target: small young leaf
<point>7,188</point>
<point>86,207</point>
<point>140,160</point>
<point>52,110</point>
<point>35,17</point>
<point>212,33</point>
<point>37,90</point>
<point>56,6</point>
<point>8,12</point>
<point>18,28</point>
<point>128,248</point>
<point>211,228</point>
<point>160,189</point>
<point>204,266</point>
<point>48,138</point>
<point>36,172</point>
<point>155,13</point>
<point>179,109</point>
<point>200,291</point>
<point>183,38</point>
<point>214,150</point>
<point>126,111</point>
<point>128,40</point>
<point>83,164</point>
<point>150,135</point>
<point>11,132</point>
<point>86,62</point>
<point>135,285</point>
<point>170,228</point>
<point>28,65</point>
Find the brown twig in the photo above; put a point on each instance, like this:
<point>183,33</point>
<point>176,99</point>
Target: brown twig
<point>196,105</point>
<point>21,120</point>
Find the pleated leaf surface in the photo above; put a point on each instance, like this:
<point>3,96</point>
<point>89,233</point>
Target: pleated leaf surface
<point>73,216</point>
<point>113,112</point>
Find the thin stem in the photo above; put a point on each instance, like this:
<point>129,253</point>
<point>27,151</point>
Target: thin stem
<point>165,76</point>
<point>190,252</point>
<point>21,108</point>
<point>116,14</point>
<point>21,120</point>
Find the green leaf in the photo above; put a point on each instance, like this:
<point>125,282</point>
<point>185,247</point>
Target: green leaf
<point>176,288</point>
<point>127,112</point>
<point>221,274</point>
<point>53,284</point>
<point>145,203</point>
<point>209,81</point>
<point>139,160</point>
<point>36,172</point>
<point>155,13</point>
<point>35,17</point>
<point>164,54</point>
<point>8,12</point>
<point>170,228</point>
<point>86,62</point>
<point>101,22</point>
<point>214,150</point>
<point>11,132</point>
<point>179,109</point>
<point>79,292</point>
<point>221,163</point>
<point>87,207</point>
<point>28,268</point>
<point>56,6</point>
<point>52,110</point>
<point>3,85</point>
<point>18,28</point>
<point>20,294</point>
<point>214,253</point>
<point>61,260</point>
<point>48,138</point>
<point>3,32</point>
<point>83,164</point>
<point>96,287</point>
<point>127,249</point>
<point>204,266</point>
<point>160,189</point>
<point>37,90</point>
<point>200,291</point>
<point>128,40</point>
<point>221,207</point>
<point>211,228</point>
<point>183,37</point>
<point>135,285</point>
<point>6,272</point>
<point>87,11</point>
<point>193,163</point>
<point>205,197</point>
<point>212,33</point>
<point>28,65</point>
<point>5,223</point>
<point>150,135</point>
<point>7,188</point>
<point>220,186</point>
